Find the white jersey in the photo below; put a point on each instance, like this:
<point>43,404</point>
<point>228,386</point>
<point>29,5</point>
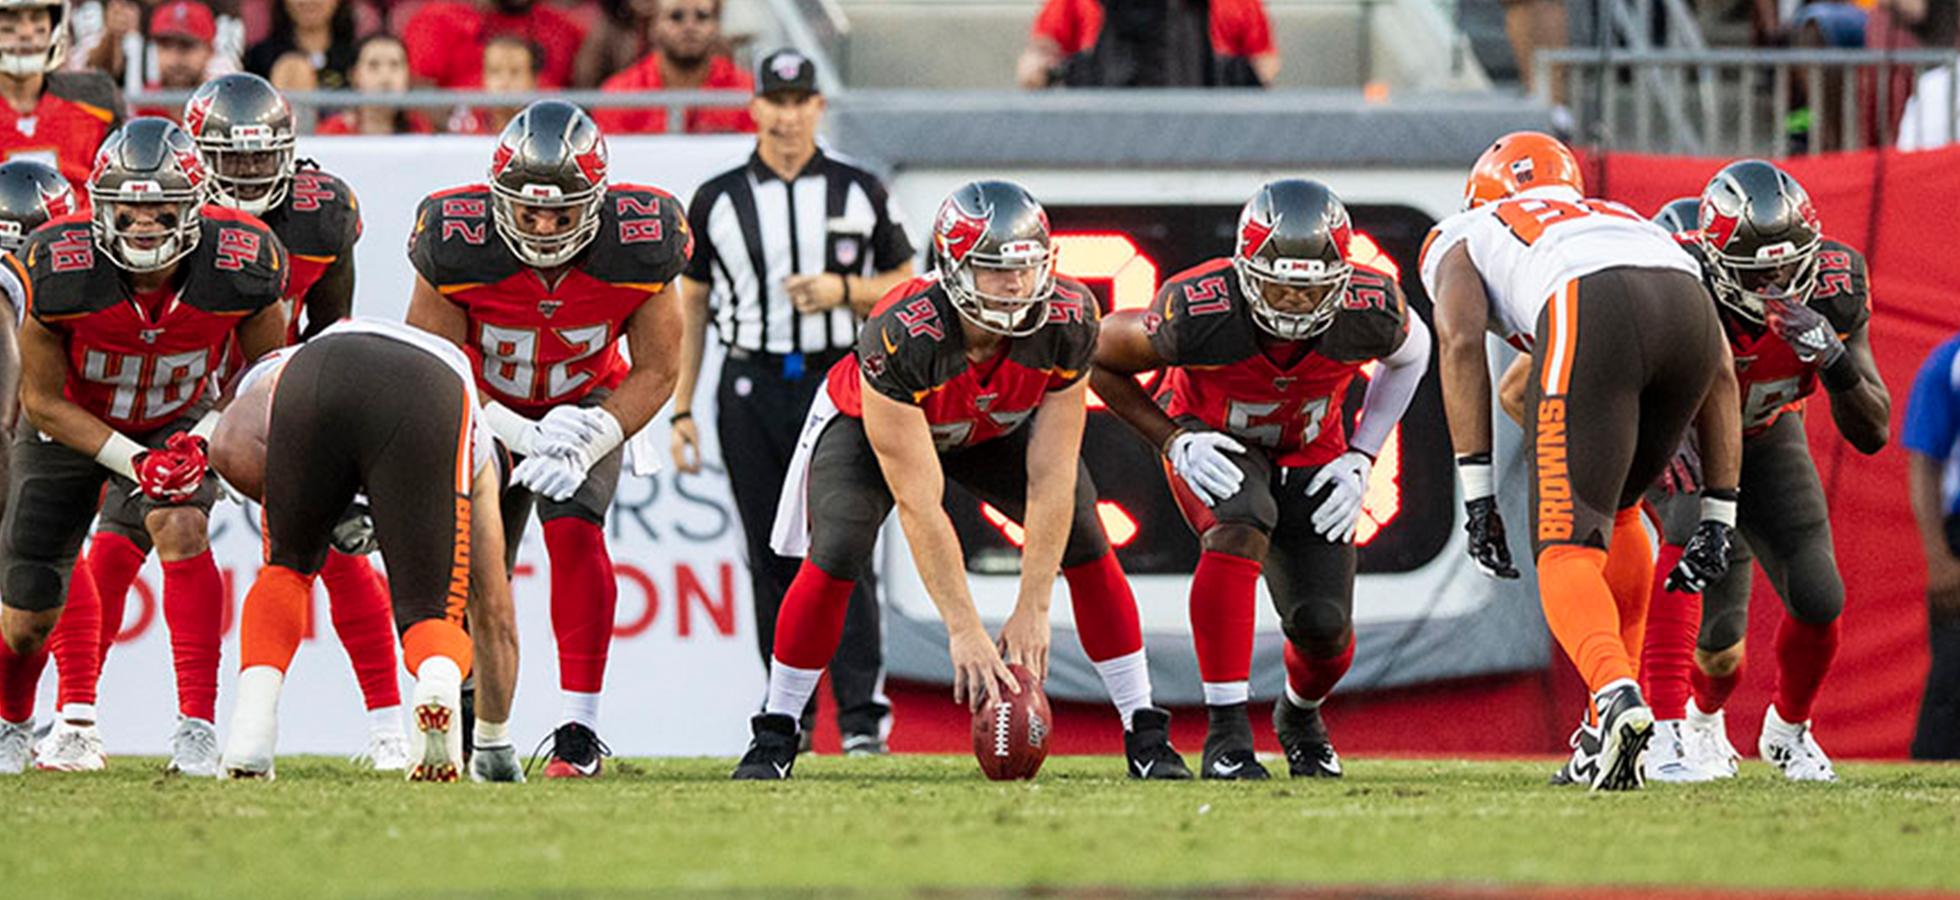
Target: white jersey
<point>1529,246</point>
<point>449,353</point>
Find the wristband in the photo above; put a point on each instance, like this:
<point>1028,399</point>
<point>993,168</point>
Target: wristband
<point>206,426</point>
<point>1718,505</point>
<point>845,280</point>
<point>1841,376</point>
<point>1473,473</point>
<point>681,416</point>
<point>1164,449</point>
<point>118,454</point>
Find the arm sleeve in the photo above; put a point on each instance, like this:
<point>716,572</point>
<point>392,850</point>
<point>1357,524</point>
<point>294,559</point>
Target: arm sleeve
<point>1929,422</point>
<point>1390,391</point>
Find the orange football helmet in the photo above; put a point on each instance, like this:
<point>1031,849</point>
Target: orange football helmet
<point>1519,161</point>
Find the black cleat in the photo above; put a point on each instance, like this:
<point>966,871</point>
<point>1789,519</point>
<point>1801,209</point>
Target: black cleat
<point>1148,746</point>
<point>1625,727</point>
<point>576,752</point>
<point>1237,764</point>
<point>1228,746</point>
<point>772,754</point>
<point>1302,734</point>
<point>1584,762</point>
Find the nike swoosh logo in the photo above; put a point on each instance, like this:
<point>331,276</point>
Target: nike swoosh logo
<point>1334,766</point>
<point>587,770</point>
<point>890,348</point>
<point>1222,768</point>
<point>782,769</point>
<point>1143,769</point>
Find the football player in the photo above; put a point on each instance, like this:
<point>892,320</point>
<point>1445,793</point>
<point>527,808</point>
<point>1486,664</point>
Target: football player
<point>1679,215</point>
<point>129,310</point>
<point>974,373</point>
<point>312,425</point>
<point>244,134</point>
<point>1632,354</point>
<point>1794,305</point>
<point>57,117</point>
<point>538,275</point>
<point>1259,349</point>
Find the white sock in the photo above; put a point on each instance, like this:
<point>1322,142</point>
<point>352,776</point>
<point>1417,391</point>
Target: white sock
<point>1774,719</point>
<point>491,734</point>
<point>1227,693</point>
<point>79,713</point>
<point>790,688</point>
<point>385,720</point>
<point>1127,679</point>
<point>580,708</point>
<point>1300,701</point>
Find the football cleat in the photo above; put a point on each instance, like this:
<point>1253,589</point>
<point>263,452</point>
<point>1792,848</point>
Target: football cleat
<point>1708,742</point>
<point>772,753</point>
<point>1238,764</point>
<point>1302,734</point>
<point>1147,746</point>
<point>71,748</point>
<point>194,749</point>
<point>387,751</point>
<point>865,745</point>
<point>576,752</point>
<point>496,764</point>
<point>1668,759</point>
<point>1626,726</point>
<point>1584,762</point>
<point>1792,748</point>
<point>1228,752</point>
<point>435,747</point>
<point>16,747</point>
<point>249,749</point>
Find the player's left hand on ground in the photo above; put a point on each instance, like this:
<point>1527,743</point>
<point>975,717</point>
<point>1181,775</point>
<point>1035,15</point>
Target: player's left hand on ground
<point>1809,334</point>
<point>1024,641</point>
<point>557,477</point>
<point>1489,548</point>
<point>1705,560</point>
<point>1337,515</point>
<point>172,474</point>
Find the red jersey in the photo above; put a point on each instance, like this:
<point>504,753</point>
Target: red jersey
<point>445,42</point>
<point>1220,370</point>
<point>1238,27</point>
<point>1772,379</point>
<point>913,350</point>
<point>348,121</point>
<point>132,366</point>
<point>77,110</point>
<point>723,75</point>
<point>536,346</point>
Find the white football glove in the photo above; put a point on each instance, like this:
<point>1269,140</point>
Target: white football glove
<point>557,477</point>
<point>1199,458</point>
<point>1337,516</point>
<point>585,434</point>
<point>519,433</point>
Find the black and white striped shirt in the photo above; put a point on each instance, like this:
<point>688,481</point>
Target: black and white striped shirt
<point>752,230</point>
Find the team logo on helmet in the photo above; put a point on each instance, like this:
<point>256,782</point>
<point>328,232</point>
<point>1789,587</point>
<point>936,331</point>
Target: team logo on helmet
<point>959,231</point>
<point>787,65</point>
<point>193,166</point>
<point>1717,227</point>
<point>1253,234</point>
<point>506,151</point>
<point>593,163</point>
<point>197,112</point>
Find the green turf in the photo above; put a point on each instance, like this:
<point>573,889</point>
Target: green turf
<point>678,828</point>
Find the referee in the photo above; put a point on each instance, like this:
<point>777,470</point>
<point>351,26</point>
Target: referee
<point>793,247</point>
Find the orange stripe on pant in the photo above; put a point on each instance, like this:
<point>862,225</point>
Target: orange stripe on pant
<point>1563,341</point>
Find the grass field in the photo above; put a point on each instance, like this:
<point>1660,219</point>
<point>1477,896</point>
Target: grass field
<point>891,827</point>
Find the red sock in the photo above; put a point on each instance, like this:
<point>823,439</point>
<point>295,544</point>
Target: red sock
<point>1667,656</point>
<point>1313,679</point>
<point>1712,691</point>
<point>811,620</point>
<point>75,644</point>
<point>583,595</point>
<point>113,561</point>
<point>193,608</point>
<point>1105,609</point>
<point>1803,657</point>
<point>19,677</point>
<point>363,617</point>
<point>1224,596</point>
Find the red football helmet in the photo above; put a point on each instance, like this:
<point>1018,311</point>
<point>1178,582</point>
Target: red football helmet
<point>1520,161</point>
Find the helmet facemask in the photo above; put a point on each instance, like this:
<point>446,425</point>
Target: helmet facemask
<point>27,62</point>
<point>113,233</point>
<point>1781,272</point>
<point>252,171</point>
<point>545,251</point>
<point>1257,276</point>
<point>1012,315</point>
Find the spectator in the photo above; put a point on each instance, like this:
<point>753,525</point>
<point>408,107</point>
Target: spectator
<point>688,55</point>
<point>1932,439</point>
<point>380,69</point>
<point>108,35</point>
<point>509,66</point>
<point>321,32</point>
<point>1534,25</point>
<point>623,35</point>
<point>1928,121</point>
<point>182,33</point>
<point>1149,43</point>
<point>55,117</point>
<point>446,37</point>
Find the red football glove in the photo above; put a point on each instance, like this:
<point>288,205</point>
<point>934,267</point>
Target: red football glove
<point>173,474</point>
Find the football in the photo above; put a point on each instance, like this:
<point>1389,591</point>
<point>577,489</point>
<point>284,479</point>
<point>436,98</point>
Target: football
<point>1010,737</point>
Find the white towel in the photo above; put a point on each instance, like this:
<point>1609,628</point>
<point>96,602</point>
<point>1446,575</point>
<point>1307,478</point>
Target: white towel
<point>791,534</point>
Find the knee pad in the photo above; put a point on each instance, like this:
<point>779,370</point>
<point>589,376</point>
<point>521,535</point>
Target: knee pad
<point>1320,626</point>
<point>1815,594</point>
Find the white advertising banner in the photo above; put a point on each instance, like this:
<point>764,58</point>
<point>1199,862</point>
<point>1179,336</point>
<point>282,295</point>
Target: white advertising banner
<point>684,645</point>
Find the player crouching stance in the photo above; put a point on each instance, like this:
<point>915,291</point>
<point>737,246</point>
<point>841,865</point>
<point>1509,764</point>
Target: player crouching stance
<point>313,426</point>
<point>975,373</point>
<point>128,311</point>
<point>1260,348</point>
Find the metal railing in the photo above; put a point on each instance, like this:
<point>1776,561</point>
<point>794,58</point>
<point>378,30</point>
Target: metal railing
<point>1777,102</point>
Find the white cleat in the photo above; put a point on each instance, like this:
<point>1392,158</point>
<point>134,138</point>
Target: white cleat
<point>16,747</point>
<point>435,746</point>
<point>194,749</point>
<point>1667,756</point>
<point>1707,740</point>
<point>71,747</point>
<point>250,749</point>
<point>1791,747</point>
<point>387,751</point>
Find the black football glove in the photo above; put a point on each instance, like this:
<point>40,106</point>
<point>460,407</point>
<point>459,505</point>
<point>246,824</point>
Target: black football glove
<point>1705,560</point>
<point>1488,547</point>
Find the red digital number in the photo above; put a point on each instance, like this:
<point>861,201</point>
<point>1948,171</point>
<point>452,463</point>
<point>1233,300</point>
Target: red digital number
<point>463,207</point>
<point>637,206</point>
<point>72,253</point>
<point>471,232</point>
<point>920,317</point>
<point>236,247</point>
<point>1064,311</point>
<point>310,190</point>
<point>1364,296</point>
<point>1208,296</point>
<point>635,231</point>
<point>1834,273</point>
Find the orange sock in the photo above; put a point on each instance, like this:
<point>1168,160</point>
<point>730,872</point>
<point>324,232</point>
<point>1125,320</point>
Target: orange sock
<point>435,637</point>
<point>1581,612</point>
<point>1630,576</point>
<point>273,621</point>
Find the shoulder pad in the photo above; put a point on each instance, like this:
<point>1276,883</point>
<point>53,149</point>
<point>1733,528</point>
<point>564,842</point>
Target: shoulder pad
<point>643,237</point>
<point>321,216</point>
<point>1199,320</point>
<point>95,92</point>
<point>1074,317</point>
<point>239,264</point>
<point>902,345</point>
<point>66,276</point>
<point>1843,291</point>
<point>1370,322</point>
<point>454,243</point>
